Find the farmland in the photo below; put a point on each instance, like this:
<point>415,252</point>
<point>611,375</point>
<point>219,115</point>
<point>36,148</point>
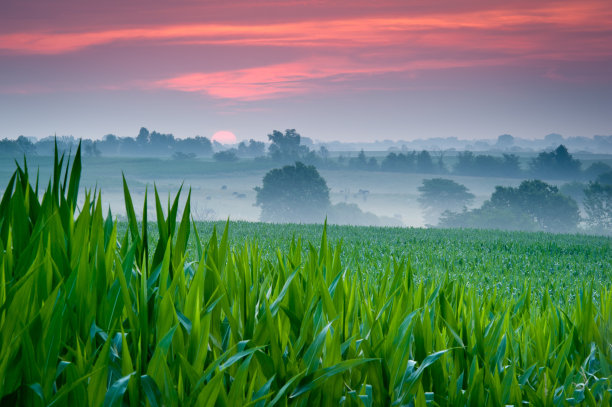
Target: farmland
<point>221,190</point>
<point>172,312</point>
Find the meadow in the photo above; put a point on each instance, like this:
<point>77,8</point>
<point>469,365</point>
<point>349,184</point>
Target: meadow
<point>226,189</point>
<point>175,312</point>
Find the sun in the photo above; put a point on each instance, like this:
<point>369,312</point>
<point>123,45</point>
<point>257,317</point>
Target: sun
<point>224,137</point>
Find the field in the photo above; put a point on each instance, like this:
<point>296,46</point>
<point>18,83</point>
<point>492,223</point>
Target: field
<point>222,190</point>
<point>174,312</point>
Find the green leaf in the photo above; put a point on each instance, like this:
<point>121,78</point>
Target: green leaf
<point>115,394</point>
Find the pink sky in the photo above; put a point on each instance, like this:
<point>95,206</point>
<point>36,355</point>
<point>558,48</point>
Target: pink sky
<point>348,70</point>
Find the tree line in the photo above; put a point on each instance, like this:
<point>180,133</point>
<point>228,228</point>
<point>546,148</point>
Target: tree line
<point>556,164</point>
<point>533,206</point>
<point>288,147</point>
<point>145,144</point>
<point>298,193</point>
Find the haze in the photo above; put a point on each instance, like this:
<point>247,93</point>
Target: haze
<point>348,71</point>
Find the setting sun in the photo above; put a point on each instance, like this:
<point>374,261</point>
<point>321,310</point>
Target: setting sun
<point>224,137</point>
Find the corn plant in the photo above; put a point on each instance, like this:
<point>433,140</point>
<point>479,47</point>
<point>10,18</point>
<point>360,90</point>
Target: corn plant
<point>91,316</point>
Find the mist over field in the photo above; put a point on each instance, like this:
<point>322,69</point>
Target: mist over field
<point>260,181</point>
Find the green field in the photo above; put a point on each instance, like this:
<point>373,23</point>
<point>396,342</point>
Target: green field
<point>222,190</point>
<point>172,312</point>
<point>481,259</point>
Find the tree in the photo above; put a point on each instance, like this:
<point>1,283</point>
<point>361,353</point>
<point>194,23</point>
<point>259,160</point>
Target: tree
<point>399,162</point>
<point>344,213</point>
<point>533,205</point>
<point>90,148</point>
<point>553,139</point>
<point>487,217</point>
<point>198,145</point>
<point>293,193</point>
<point>596,169</point>
<point>505,141</point>
<point>26,145</point>
<point>160,143</point>
<point>574,189</point>
<point>424,163</point>
<point>557,164</point>
<point>360,162</point>
<point>109,145</point>
<point>252,149</point>
<point>439,194</point>
<point>598,206</point>
<point>226,155</point>
<point>286,147</point>
<point>143,136</point>
<point>605,178</point>
<point>542,202</point>
<point>487,165</point>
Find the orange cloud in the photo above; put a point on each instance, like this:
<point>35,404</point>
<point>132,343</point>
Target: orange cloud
<point>281,80</point>
<point>347,32</point>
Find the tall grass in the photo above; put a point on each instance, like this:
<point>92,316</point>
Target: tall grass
<point>88,317</point>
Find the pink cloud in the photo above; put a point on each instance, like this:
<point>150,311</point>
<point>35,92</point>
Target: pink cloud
<point>338,32</point>
<point>282,80</point>
<point>406,42</point>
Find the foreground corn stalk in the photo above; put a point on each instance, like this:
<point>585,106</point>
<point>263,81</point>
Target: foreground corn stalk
<point>91,318</point>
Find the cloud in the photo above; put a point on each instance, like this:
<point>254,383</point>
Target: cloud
<point>292,57</point>
<point>306,76</point>
<point>338,32</point>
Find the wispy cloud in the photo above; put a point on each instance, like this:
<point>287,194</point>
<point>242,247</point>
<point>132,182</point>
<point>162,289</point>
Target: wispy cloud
<point>343,32</point>
<point>316,55</point>
<point>306,76</point>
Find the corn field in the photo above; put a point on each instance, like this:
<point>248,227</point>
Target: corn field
<point>93,316</point>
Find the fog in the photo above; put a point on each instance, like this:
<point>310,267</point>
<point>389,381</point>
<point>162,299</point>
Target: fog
<point>392,187</point>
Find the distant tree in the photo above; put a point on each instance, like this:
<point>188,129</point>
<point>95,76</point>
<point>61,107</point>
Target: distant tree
<point>372,164</point>
<point>487,165</point>
<point>399,162</point>
<point>129,146</point>
<point>252,149</point>
<point>197,145</point>
<point>25,145</point>
<point>226,155</point>
<point>14,148</point>
<point>90,148</point>
<point>286,147</point>
<point>109,145</point>
<point>160,143</point>
<point>553,139</point>
<point>293,193</point>
<point>324,153</point>
<point>465,163</point>
<point>533,205</point>
<point>575,190</point>
<point>440,164</point>
<point>143,136</point>
<point>505,141</point>
<point>488,217</point>
<point>598,206</point>
<point>360,162</point>
<point>306,141</point>
<point>557,164</point>
<point>344,213</point>
<point>439,194</point>
<point>511,166</point>
<point>542,202</point>
<point>605,178</point>
<point>424,163</point>
<point>596,169</point>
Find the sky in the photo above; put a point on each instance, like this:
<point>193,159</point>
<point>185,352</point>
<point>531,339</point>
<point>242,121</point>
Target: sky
<point>339,70</point>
